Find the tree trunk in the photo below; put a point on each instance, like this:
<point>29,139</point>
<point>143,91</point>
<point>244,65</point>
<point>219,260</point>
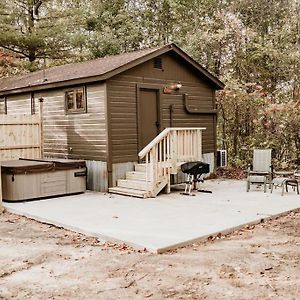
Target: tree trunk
<point>32,55</point>
<point>33,10</point>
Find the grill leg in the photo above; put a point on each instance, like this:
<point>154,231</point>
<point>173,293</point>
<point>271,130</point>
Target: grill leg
<point>186,187</point>
<point>189,185</point>
<point>201,179</point>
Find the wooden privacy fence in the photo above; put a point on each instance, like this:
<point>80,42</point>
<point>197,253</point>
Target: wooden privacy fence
<point>20,136</point>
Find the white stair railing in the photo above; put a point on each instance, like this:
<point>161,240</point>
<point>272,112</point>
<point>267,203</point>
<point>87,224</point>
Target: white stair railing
<point>167,151</point>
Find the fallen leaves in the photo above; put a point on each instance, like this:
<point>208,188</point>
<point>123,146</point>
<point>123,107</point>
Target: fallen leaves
<point>231,173</point>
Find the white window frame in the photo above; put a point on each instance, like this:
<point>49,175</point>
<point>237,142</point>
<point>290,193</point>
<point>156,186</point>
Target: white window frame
<point>76,110</point>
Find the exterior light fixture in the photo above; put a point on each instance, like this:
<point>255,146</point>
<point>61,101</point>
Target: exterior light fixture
<point>172,87</point>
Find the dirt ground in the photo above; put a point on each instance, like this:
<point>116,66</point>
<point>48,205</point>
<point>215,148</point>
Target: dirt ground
<point>40,261</point>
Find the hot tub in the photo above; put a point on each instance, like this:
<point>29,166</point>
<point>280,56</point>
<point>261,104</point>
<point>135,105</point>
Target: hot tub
<point>26,179</point>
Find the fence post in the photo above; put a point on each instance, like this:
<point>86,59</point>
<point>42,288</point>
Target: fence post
<point>41,127</point>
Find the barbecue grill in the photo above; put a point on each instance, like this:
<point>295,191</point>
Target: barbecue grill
<point>195,171</point>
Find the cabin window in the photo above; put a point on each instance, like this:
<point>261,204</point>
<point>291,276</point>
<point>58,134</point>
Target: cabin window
<point>3,106</point>
<point>75,101</point>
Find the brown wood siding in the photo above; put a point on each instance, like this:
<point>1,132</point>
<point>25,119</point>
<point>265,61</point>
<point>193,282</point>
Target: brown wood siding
<point>123,104</point>
<point>19,104</point>
<point>85,133</point>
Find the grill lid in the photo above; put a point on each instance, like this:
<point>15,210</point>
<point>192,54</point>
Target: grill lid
<point>195,168</point>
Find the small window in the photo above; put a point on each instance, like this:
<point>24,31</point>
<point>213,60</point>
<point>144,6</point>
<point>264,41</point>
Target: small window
<point>75,101</point>
<point>3,106</point>
<point>157,63</point>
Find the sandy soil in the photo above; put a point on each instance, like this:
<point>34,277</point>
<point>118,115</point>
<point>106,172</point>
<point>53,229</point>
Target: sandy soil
<point>40,261</point>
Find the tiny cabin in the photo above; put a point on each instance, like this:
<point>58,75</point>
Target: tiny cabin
<point>107,111</point>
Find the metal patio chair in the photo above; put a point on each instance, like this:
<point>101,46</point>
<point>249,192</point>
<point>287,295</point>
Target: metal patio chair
<point>261,172</point>
<point>284,179</point>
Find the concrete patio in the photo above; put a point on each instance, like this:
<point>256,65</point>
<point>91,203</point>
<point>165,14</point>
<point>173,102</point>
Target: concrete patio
<point>162,223</point>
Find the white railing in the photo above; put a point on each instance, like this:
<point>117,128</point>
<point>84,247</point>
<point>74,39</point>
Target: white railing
<point>167,151</point>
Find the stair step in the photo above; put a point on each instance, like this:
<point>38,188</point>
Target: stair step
<point>132,184</point>
<point>134,175</point>
<point>140,167</point>
<point>128,192</point>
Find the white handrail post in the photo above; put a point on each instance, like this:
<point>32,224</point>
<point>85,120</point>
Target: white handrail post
<point>152,165</point>
<point>147,171</point>
<point>199,144</point>
<point>174,151</point>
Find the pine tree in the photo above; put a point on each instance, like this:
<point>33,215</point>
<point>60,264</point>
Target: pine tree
<point>37,29</point>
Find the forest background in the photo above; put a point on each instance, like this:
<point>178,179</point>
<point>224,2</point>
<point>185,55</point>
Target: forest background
<point>251,45</point>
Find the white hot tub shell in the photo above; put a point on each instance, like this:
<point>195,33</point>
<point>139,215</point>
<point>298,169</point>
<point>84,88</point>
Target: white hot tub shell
<point>34,179</point>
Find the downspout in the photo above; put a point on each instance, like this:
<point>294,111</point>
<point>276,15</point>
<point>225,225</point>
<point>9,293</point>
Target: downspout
<point>109,157</point>
<point>171,111</point>
<point>194,110</point>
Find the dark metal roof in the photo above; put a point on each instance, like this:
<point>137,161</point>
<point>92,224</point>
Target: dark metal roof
<point>94,70</point>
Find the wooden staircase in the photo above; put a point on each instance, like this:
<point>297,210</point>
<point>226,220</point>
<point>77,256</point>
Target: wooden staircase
<point>162,157</point>
<point>134,184</point>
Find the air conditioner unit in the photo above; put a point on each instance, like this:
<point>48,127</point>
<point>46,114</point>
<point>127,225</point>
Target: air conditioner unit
<point>221,158</point>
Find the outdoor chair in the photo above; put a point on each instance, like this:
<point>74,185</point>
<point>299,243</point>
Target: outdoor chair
<point>284,179</point>
<point>261,171</point>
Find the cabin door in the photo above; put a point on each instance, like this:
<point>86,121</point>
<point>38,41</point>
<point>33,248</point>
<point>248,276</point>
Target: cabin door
<point>148,116</point>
